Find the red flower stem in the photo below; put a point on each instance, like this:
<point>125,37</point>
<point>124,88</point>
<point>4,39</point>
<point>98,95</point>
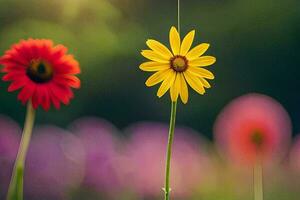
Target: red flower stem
<point>15,190</point>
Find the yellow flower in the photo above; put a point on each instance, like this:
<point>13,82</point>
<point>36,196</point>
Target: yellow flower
<point>178,67</point>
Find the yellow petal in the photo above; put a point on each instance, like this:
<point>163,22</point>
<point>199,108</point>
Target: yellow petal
<point>184,93</point>
<point>200,72</point>
<point>175,40</point>
<point>205,83</point>
<point>151,55</point>
<point>187,43</point>
<point>157,77</point>
<point>203,61</point>
<point>166,84</point>
<point>175,88</point>
<point>197,51</point>
<point>153,66</point>
<point>159,48</point>
<point>194,82</point>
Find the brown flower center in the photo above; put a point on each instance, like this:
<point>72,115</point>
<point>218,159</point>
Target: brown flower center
<point>179,63</point>
<point>40,71</point>
<point>257,138</point>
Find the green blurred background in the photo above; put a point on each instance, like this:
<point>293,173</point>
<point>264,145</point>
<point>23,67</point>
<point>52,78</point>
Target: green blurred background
<point>257,45</point>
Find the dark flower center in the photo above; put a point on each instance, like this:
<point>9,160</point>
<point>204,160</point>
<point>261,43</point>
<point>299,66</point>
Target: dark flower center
<point>179,63</point>
<point>40,71</point>
<point>257,138</point>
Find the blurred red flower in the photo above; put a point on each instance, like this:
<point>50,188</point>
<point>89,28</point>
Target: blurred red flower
<point>253,127</point>
<point>43,72</point>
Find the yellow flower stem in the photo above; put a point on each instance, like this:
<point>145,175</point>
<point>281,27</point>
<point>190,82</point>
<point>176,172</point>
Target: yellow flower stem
<point>178,15</point>
<point>171,128</point>
<point>15,190</point>
<point>169,149</point>
<point>258,180</point>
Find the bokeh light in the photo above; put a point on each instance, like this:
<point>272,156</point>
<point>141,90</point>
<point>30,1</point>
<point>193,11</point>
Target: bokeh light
<point>253,127</point>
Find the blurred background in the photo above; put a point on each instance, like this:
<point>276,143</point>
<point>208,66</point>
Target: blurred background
<point>257,47</point>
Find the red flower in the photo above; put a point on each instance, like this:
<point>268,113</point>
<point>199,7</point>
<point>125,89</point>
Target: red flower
<point>253,127</point>
<point>43,72</point>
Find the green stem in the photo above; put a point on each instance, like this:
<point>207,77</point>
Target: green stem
<point>169,149</point>
<point>258,181</point>
<point>178,15</point>
<point>15,190</point>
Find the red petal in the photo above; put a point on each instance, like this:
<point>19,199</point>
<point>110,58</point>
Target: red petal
<point>26,93</point>
<point>66,65</point>
<point>17,84</point>
<point>64,94</point>
<point>69,80</point>
<point>54,100</point>
<point>44,96</point>
<point>14,75</point>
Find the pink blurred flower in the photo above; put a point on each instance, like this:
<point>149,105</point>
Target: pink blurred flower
<point>146,151</point>
<point>9,143</point>
<point>102,166</point>
<point>54,164</point>
<point>251,127</point>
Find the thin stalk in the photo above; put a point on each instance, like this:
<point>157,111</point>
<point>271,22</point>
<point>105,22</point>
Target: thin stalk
<point>167,189</point>
<point>169,149</point>
<point>15,190</point>
<point>258,181</point>
<point>178,15</point>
